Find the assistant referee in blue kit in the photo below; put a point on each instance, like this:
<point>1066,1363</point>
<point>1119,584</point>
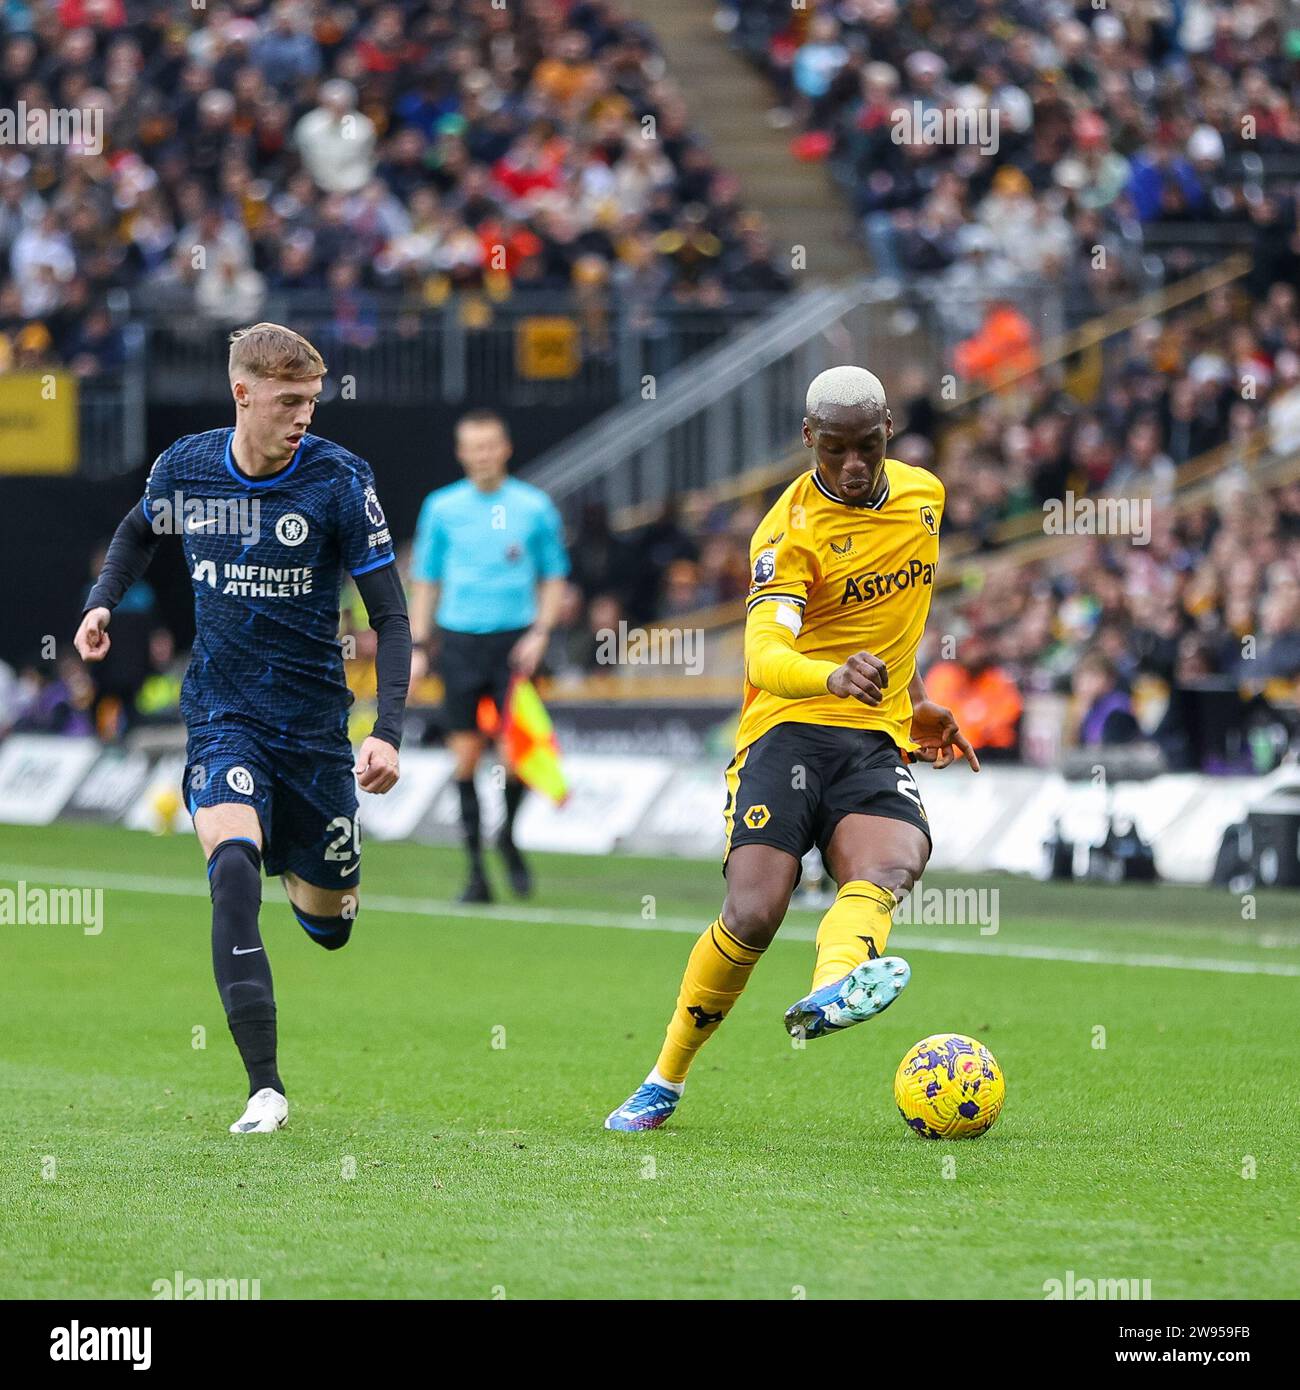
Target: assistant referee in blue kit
<point>489,563</point>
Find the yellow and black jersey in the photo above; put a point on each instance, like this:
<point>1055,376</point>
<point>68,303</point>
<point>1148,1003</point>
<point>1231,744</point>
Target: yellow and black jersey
<point>829,580</point>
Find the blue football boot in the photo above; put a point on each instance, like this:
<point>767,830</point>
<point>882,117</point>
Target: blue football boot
<point>868,989</point>
<point>646,1108</point>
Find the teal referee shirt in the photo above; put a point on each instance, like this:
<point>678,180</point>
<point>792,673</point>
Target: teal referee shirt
<point>488,551</point>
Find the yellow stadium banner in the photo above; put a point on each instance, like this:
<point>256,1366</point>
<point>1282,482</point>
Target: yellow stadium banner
<point>38,422</point>
<point>547,348</point>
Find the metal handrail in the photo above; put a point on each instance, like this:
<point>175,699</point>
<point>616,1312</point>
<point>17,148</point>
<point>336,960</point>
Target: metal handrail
<point>1122,320</point>
<point>1186,475</point>
<point>1089,335</point>
<point>689,388</point>
<point>1269,473</point>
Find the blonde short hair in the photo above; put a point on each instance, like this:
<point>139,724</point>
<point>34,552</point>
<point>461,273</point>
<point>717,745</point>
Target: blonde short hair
<point>271,351</point>
<point>846,386</point>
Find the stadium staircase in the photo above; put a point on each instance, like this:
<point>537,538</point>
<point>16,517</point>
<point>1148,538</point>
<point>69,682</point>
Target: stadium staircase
<point>729,102</point>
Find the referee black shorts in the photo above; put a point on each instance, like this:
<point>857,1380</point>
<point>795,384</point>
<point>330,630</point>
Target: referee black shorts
<point>474,664</point>
<point>792,787</point>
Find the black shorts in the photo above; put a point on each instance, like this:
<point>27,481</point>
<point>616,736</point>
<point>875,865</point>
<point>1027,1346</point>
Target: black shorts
<point>793,786</point>
<point>474,664</point>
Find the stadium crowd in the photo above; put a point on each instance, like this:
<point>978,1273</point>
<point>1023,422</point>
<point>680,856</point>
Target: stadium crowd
<point>374,147</point>
<point>1225,375</point>
<point>1111,121</point>
<point>1137,633</point>
<point>423,148</point>
<point>1222,375</point>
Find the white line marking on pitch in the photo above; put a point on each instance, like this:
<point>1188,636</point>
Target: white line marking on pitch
<point>542,916</point>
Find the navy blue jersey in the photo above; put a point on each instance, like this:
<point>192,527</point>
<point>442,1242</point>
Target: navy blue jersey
<point>266,557</point>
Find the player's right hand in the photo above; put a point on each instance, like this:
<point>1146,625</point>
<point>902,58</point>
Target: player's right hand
<point>92,640</point>
<point>862,677</point>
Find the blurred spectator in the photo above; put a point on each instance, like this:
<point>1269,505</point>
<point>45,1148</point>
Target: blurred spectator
<point>603,616</point>
<point>1279,648</point>
<point>56,701</point>
<point>159,695</point>
<point>233,294</point>
<point>660,545</point>
<point>603,562</point>
<point>287,51</point>
<point>1143,470</point>
<point>1105,709</point>
<point>1180,733</point>
<point>118,677</point>
<point>980,693</point>
<point>337,142</point>
<point>95,346</point>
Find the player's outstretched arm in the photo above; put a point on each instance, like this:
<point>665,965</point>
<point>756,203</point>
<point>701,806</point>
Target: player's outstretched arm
<point>129,553</point>
<point>771,661</point>
<point>381,591</point>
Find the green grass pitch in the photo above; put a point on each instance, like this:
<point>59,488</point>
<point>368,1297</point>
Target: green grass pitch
<point>449,1071</point>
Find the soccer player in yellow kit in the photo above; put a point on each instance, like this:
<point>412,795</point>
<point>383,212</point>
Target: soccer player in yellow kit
<point>843,572</point>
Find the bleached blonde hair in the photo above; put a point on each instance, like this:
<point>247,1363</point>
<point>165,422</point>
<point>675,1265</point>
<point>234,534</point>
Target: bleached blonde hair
<point>843,386</point>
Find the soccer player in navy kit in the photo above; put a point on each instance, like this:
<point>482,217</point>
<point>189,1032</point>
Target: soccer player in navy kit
<point>269,517</point>
<point>489,557</point>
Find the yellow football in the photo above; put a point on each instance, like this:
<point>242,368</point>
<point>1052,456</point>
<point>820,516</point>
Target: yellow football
<point>949,1087</point>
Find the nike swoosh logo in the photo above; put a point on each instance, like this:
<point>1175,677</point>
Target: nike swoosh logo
<point>248,951</point>
<point>349,869</point>
<point>201,525</point>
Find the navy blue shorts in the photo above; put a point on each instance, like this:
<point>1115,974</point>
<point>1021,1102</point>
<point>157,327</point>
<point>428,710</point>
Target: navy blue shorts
<point>305,798</point>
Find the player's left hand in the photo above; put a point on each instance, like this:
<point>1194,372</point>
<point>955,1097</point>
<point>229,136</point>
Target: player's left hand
<point>939,741</point>
<point>376,768</point>
<point>526,654</point>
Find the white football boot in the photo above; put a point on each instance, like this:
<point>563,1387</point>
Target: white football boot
<point>267,1110</point>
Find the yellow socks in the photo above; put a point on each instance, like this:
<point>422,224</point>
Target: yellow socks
<point>717,971</point>
<point>855,928</point>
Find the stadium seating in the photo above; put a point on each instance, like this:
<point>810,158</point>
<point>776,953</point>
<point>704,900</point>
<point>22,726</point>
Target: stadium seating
<point>409,151</point>
<point>1162,131</point>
